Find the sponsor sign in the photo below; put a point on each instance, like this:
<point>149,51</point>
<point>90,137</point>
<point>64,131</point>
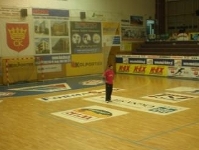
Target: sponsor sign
<point>190,63</point>
<point>74,95</point>
<point>190,90</point>
<point>170,97</point>
<point>85,64</point>
<point>191,72</point>
<point>161,57</point>
<point>92,82</point>
<point>165,62</point>
<point>142,69</point>
<point>52,59</point>
<point>89,114</point>
<point>86,37</point>
<point>137,61</point>
<point>45,88</point>
<point>49,68</point>
<point>139,105</point>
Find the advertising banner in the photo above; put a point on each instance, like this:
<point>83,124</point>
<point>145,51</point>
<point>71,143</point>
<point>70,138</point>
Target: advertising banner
<point>85,64</point>
<point>142,69</point>
<point>52,59</point>
<point>183,72</point>
<point>111,33</point>
<point>86,37</point>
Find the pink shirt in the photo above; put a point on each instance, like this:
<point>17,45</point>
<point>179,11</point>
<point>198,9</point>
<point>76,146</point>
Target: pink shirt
<point>109,76</point>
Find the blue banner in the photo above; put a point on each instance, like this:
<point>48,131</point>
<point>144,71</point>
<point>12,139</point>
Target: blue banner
<point>191,63</point>
<point>50,12</point>
<point>52,59</point>
<point>137,61</point>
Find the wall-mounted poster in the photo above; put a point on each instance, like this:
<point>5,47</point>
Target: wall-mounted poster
<point>111,33</point>
<point>51,31</point>
<point>15,39</point>
<point>130,33</point>
<point>17,36</point>
<point>136,20</point>
<point>86,37</point>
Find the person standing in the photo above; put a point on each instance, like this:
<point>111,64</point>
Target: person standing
<point>109,77</point>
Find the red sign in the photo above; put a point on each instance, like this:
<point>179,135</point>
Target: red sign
<point>17,36</point>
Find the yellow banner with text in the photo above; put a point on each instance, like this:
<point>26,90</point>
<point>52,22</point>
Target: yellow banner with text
<point>142,69</point>
<point>85,64</point>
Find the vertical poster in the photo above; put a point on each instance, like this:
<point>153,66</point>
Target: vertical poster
<point>17,36</point>
<point>15,39</point>
<point>111,33</point>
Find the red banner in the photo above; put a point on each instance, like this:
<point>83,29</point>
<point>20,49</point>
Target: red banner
<point>17,36</point>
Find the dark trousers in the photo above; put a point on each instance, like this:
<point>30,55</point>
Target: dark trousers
<point>109,89</point>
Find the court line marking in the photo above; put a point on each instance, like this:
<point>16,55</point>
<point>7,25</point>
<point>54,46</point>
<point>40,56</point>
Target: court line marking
<point>82,126</point>
<point>169,131</point>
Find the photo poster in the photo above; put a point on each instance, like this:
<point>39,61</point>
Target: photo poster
<point>111,33</point>
<point>86,37</point>
<point>51,31</point>
<point>136,20</point>
<point>131,33</point>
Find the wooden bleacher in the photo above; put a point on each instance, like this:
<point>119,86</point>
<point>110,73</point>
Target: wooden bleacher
<point>177,48</point>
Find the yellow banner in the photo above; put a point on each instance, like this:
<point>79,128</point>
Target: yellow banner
<point>156,70</point>
<point>85,64</point>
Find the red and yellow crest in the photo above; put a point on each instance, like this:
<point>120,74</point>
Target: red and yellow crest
<point>17,36</point>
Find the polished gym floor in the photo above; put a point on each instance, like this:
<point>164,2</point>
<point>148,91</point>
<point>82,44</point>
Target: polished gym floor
<point>146,113</point>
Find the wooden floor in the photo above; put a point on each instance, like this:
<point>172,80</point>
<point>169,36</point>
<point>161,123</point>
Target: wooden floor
<point>27,123</point>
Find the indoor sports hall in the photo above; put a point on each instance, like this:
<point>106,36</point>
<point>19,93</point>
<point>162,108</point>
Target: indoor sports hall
<point>55,55</point>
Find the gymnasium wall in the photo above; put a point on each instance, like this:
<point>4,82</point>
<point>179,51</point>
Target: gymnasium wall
<point>59,38</point>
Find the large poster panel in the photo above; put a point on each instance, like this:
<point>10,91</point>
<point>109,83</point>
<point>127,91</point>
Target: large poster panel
<point>86,37</point>
<point>51,31</point>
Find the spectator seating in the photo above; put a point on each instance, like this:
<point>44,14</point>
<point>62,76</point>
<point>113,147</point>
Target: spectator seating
<point>179,48</point>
